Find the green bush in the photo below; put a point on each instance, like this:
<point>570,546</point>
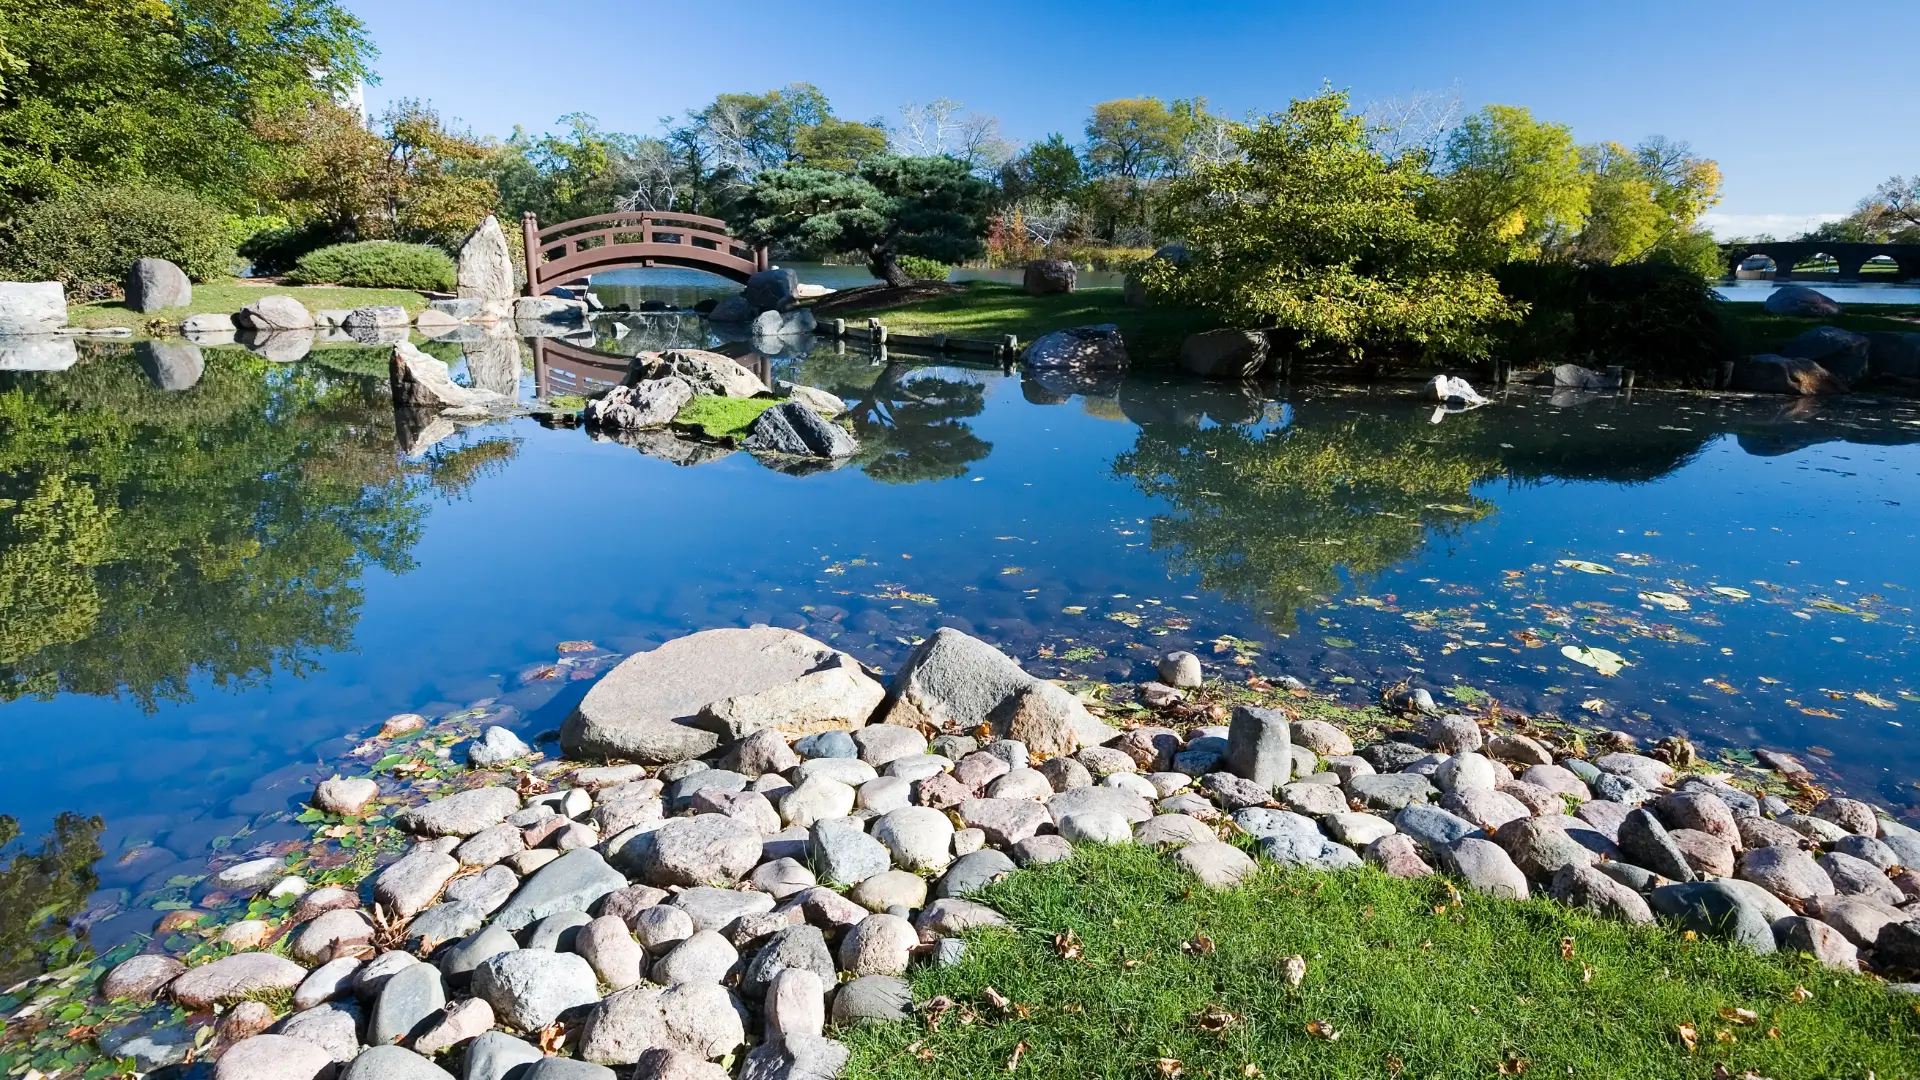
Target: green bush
<point>1662,320</point>
<point>924,269</point>
<point>376,264</point>
<point>276,248</point>
<point>88,237</point>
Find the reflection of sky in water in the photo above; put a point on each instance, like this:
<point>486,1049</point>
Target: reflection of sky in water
<point>1087,534</point>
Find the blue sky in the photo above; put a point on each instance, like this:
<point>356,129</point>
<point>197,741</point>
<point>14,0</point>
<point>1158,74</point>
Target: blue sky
<point>1802,104</point>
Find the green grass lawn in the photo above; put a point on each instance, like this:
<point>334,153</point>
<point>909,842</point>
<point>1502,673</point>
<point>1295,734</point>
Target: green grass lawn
<point>1760,332</point>
<point>992,310</point>
<point>1162,979</point>
<point>227,297</point>
<point>721,417</point>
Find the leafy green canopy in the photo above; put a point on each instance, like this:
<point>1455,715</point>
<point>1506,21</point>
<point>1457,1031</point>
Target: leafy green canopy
<point>91,235</point>
<point>160,91</point>
<point>1312,232</point>
<point>891,206</point>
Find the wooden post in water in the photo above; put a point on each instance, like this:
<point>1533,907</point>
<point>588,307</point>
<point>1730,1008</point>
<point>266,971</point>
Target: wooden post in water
<point>878,330</point>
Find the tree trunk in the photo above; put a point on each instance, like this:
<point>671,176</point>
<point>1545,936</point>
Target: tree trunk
<point>884,265</point>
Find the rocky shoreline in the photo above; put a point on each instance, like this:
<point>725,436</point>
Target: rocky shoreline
<point>748,840</point>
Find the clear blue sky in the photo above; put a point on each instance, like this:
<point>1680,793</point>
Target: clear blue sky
<point>1803,104</point>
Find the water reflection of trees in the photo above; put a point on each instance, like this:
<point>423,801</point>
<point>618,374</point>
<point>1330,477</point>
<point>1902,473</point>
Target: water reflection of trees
<point>41,890</point>
<point>910,420</point>
<point>150,537</point>
<point>1274,516</point>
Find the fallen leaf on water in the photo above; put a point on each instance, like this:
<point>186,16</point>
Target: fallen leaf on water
<point>1730,591</point>
<point>1076,609</point>
<point>1874,700</point>
<point>1822,712</point>
<point>574,646</point>
<point>1820,750</point>
<point>1670,601</point>
<point>548,672</point>
<point>1586,567</point>
<point>1593,704</point>
<point>1689,1035</point>
<point>1605,661</point>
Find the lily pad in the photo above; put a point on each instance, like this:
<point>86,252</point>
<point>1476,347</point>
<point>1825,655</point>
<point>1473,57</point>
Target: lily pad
<point>1670,601</point>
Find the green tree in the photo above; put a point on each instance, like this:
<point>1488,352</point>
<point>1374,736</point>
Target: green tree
<point>1514,184</point>
<point>1312,232</point>
<point>892,206</point>
<point>1045,172</point>
<point>838,145</point>
<point>161,91</point>
<point>911,422</point>
<point>1133,144</point>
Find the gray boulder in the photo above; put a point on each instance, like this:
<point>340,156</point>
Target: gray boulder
<point>420,381</point>
<point>171,365</point>
<point>771,290</point>
<point>1709,907</point>
<point>378,316</point>
<point>1841,352</point>
<point>707,372</point>
<point>876,999</point>
<point>529,988</point>
<point>1893,354</point>
<point>795,1056</point>
<point>573,882</point>
<point>1798,300</point>
<point>153,284</point>
<point>274,313</point>
<point>392,1063</point>
<point>733,309</point>
<point>1225,354</point>
<point>699,1018</point>
<point>647,404</point>
<point>487,272</point>
<point>701,850</point>
<point>495,747</point>
<point>1078,348</point>
<point>1645,842</point>
<point>497,1055</point>
<point>407,1004</point>
<point>956,683</point>
<point>1770,374</point>
<point>1581,886</point>
<point>778,324</point>
<point>645,708</point>
<point>32,307</point>
<point>553,310</point>
<point>1260,746</point>
<point>1049,277</point>
<point>792,429</point>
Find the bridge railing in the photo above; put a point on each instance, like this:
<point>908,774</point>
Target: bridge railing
<point>571,250</point>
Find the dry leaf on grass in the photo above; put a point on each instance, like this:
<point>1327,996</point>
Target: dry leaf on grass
<point>1689,1036</point>
<point>1170,1067</point>
<point>1742,1017</point>
<point>1067,945</point>
<point>1323,1029</point>
<point>1294,970</point>
<point>1014,1061</point>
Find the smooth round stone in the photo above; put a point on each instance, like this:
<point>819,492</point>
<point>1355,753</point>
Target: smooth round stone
<point>609,947</point>
<point>1168,783</point>
<point>1104,761</point>
<point>817,798</point>
<point>918,837</point>
<point>1012,751</point>
<point>918,767</point>
<point>880,944</point>
<point>883,743</point>
<point>1788,873</point>
<point>1132,783</point>
<point>971,873</point>
<point>782,878</point>
<point>1453,734</point>
<point>557,932</point>
<point>849,771</point>
<point>884,999</point>
<point>410,999</point>
<point>884,794</point>
<point>1065,774</point>
<point>1433,827</point>
<point>1317,800</point>
<point>1485,867</point>
<point>1020,784</point>
<point>1467,770</point>
<point>716,909</point>
<point>1180,670</point>
<point>1172,830</point>
<point>796,1004</point>
<point>968,841</point>
<point>1096,826</point>
<point>529,988</point>
<point>953,747</point>
<point>1357,829</point>
<point>895,888</point>
<point>706,957</point>
<point>140,977</point>
<point>827,744</point>
<point>1041,850</point>
<point>661,928</point>
<point>281,1057</point>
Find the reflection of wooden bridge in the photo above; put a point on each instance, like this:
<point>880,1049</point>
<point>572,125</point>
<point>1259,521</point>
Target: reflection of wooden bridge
<point>563,368</point>
<point>573,250</point>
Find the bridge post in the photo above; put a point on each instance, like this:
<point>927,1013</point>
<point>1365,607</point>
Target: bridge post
<point>1850,267</point>
<point>1782,265</point>
<point>530,240</point>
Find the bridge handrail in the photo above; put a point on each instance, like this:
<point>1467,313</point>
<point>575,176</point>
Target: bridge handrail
<point>723,242</point>
<point>636,217</point>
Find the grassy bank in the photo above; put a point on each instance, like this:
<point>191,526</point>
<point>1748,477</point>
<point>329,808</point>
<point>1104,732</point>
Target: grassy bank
<point>1121,966</point>
<point>721,417</point>
<point>991,310</point>
<point>227,297</point>
<point>1759,331</point>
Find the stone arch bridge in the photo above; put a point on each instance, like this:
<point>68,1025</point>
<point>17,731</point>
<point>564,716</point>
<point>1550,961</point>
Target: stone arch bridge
<point>1851,257</point>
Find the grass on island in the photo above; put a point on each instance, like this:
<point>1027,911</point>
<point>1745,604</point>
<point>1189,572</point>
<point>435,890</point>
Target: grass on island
<point>991,310</point>
<point>1758,331</point>
<point>1121,967</point>
<point>227,297</point>
<point>723,417</point>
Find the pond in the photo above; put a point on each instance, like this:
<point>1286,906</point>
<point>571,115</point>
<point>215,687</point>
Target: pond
<point>210,591</point>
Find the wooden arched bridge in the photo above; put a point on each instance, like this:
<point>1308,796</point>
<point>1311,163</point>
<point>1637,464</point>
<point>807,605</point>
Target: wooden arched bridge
<point>574,250</point>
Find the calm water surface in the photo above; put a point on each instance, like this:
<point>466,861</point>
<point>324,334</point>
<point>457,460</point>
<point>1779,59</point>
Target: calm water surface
<point>207,592</point>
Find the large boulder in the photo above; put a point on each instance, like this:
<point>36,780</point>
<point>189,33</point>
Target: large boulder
<point>1225,354</point>
<point>1770,374</point>
<point>792,429</point>
<point>32,307</point>
<point>774,324</point>
<point>1841,352</point>
<point>645,709</point>
<point>153,284</point>
<point>1800,301</point>
<point>235,978</point>
<point>771,290</point>
<point>651,403</point>
<point>955,683</point>
<point>733,309</point>
<point>1893,354</point>
<point>274,313</point>
<point>1097,347</point>
<point>1046,277</point>
<point>707,372</point>
<point>836,696</point>
<point>420,381</point>
<point>487,272</point>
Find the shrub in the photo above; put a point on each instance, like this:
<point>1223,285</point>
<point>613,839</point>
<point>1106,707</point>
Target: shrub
<point>1662,320</point>
<point>88,237</point>
<point>276,248</point>
<point>376,264</point>
<point>924,269</point>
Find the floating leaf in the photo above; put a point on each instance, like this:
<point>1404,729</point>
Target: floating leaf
<point>574,646</point>
<point>1125,617</point>
<point>1074,610</point>
<point>1828,605</point>
<point>1874,700</point>
<point>1593,704</point>
<point>1605,661</point>
<point>1730,591</point>
<point>1670,601</point>
<point>1586,567</point>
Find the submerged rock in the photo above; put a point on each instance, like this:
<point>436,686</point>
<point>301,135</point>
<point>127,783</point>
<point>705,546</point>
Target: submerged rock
<point>793,429</point>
